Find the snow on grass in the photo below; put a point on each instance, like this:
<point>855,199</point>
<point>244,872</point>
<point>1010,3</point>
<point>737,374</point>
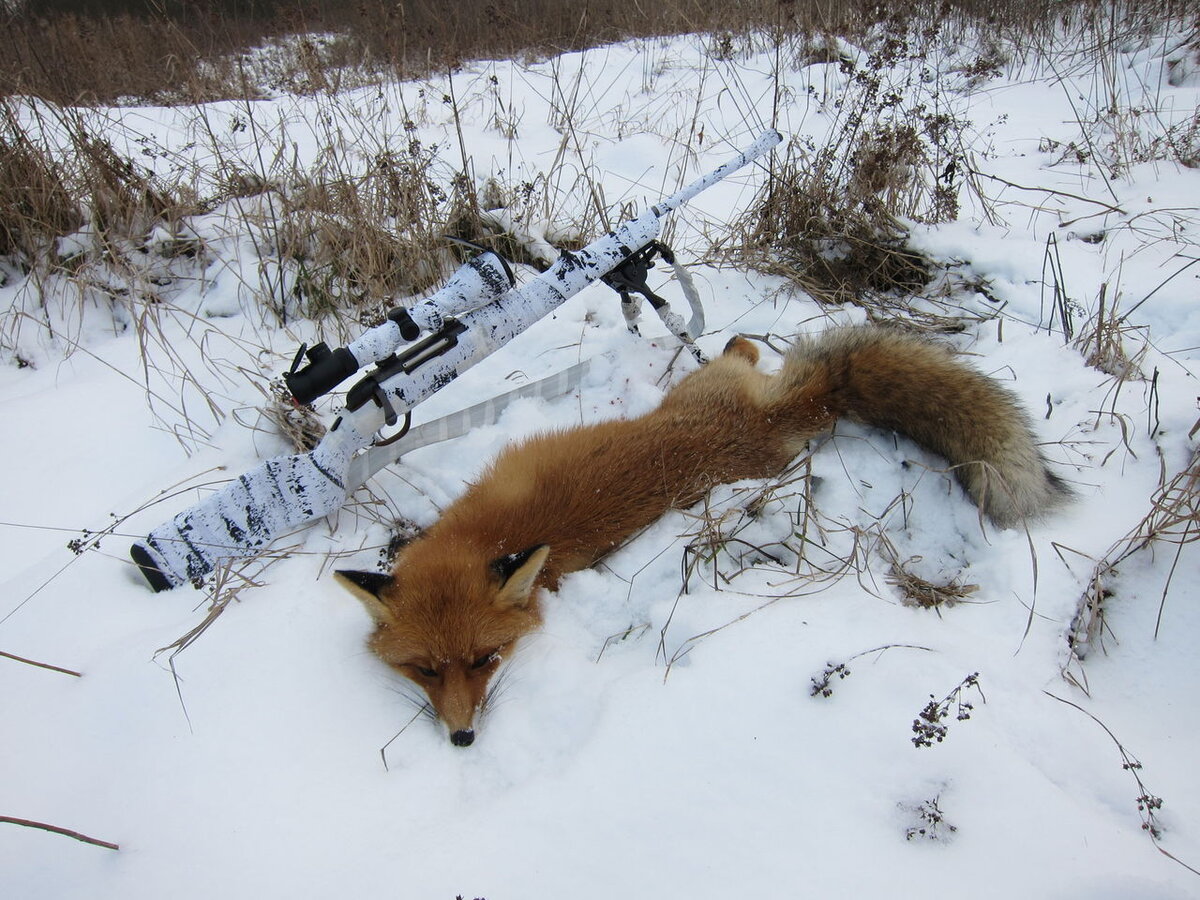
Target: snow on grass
<point>660,735</point>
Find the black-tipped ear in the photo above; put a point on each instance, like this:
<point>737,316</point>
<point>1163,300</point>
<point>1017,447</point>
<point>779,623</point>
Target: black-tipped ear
<point>507,566</point>
<point>367,587</point>
<point>517,573</point>
<point>371,582</point>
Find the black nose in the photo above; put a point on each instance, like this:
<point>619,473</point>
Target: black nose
<point>463,738</point>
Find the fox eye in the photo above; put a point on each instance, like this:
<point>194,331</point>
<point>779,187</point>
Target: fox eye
<point>484,660</point>
<point>426,672</point>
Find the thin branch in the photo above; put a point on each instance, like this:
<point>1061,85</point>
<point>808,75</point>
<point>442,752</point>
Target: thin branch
<point>1046,190</point>
<point>40,665</point>
<point>66,832</point>
<point>1147,803</point>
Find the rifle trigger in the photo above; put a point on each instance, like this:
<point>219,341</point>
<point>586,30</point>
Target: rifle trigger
<point>379,395</point>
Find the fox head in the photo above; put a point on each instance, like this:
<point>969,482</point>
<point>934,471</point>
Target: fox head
<point>445,622</point>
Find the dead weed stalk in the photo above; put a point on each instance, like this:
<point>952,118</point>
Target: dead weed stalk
<point>833,218</point>
<point>1174,521</point>
<point>1147,804</point>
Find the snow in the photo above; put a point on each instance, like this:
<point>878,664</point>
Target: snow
<point>656,737</point>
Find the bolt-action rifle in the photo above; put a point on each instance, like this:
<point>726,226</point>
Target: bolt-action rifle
<point>478,311</point>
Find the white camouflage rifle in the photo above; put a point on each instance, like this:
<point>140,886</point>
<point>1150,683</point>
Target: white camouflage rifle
<point>478,311</point>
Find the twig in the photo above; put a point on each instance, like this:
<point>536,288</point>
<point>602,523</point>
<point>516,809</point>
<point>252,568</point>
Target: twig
<point>425,708</point>
<point>40,665</point>
<point>1161,285</point>
<point>66,832</point>
<point>821,686</point>
<point>1146,801</point>
<point>1046,190</point>
<point>1187,530</point>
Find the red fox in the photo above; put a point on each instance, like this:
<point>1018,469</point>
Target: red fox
<point>462,594</point>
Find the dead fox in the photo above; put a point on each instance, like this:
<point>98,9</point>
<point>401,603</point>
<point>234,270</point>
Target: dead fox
<point>467,590</point>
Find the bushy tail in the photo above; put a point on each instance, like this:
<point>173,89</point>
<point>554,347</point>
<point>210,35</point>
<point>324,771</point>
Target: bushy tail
<point>899,381</point>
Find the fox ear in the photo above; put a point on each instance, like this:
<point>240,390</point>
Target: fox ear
<point>518,572</point>
<point>367,586</point>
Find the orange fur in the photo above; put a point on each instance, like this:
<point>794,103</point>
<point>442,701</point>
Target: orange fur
<point>464,592</point>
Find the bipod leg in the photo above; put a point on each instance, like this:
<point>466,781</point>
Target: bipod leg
<point>676,326</point>
<point>631,309</point>
<point>629,281</point>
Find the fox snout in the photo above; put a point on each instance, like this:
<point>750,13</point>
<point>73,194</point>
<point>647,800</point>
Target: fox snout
<point>457,694</point>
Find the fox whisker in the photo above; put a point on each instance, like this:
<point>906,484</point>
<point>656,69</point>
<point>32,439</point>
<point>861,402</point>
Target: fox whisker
<point>498,688</point>
<point>414,698</point>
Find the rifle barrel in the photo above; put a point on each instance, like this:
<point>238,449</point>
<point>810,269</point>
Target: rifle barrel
<point>766,141</point>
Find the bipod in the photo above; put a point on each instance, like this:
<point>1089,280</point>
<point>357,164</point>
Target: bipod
<point>629,278</point>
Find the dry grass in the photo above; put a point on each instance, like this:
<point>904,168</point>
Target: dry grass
<point>815,226</point>
<point>103,50</point>
<point>298,425</point>
<point>352,240</point>
<point>355,238</point>
<point>341,238</point>
<point>38,204</point>
<point>82,221</point>
<point>48,193</point>
<point>925,594</point>
<point>1173,521</point>
<point>834,218</point>
<point>102,53</point>
<point>811,554</point>
<point>1102,341</point>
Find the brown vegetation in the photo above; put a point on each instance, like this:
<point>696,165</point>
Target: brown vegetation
<point>100,51</point>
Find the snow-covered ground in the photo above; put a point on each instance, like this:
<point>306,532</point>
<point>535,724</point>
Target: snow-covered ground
<point>660,736</point>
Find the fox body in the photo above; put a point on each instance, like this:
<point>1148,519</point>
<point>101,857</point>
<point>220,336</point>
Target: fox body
<point>466,591</point>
